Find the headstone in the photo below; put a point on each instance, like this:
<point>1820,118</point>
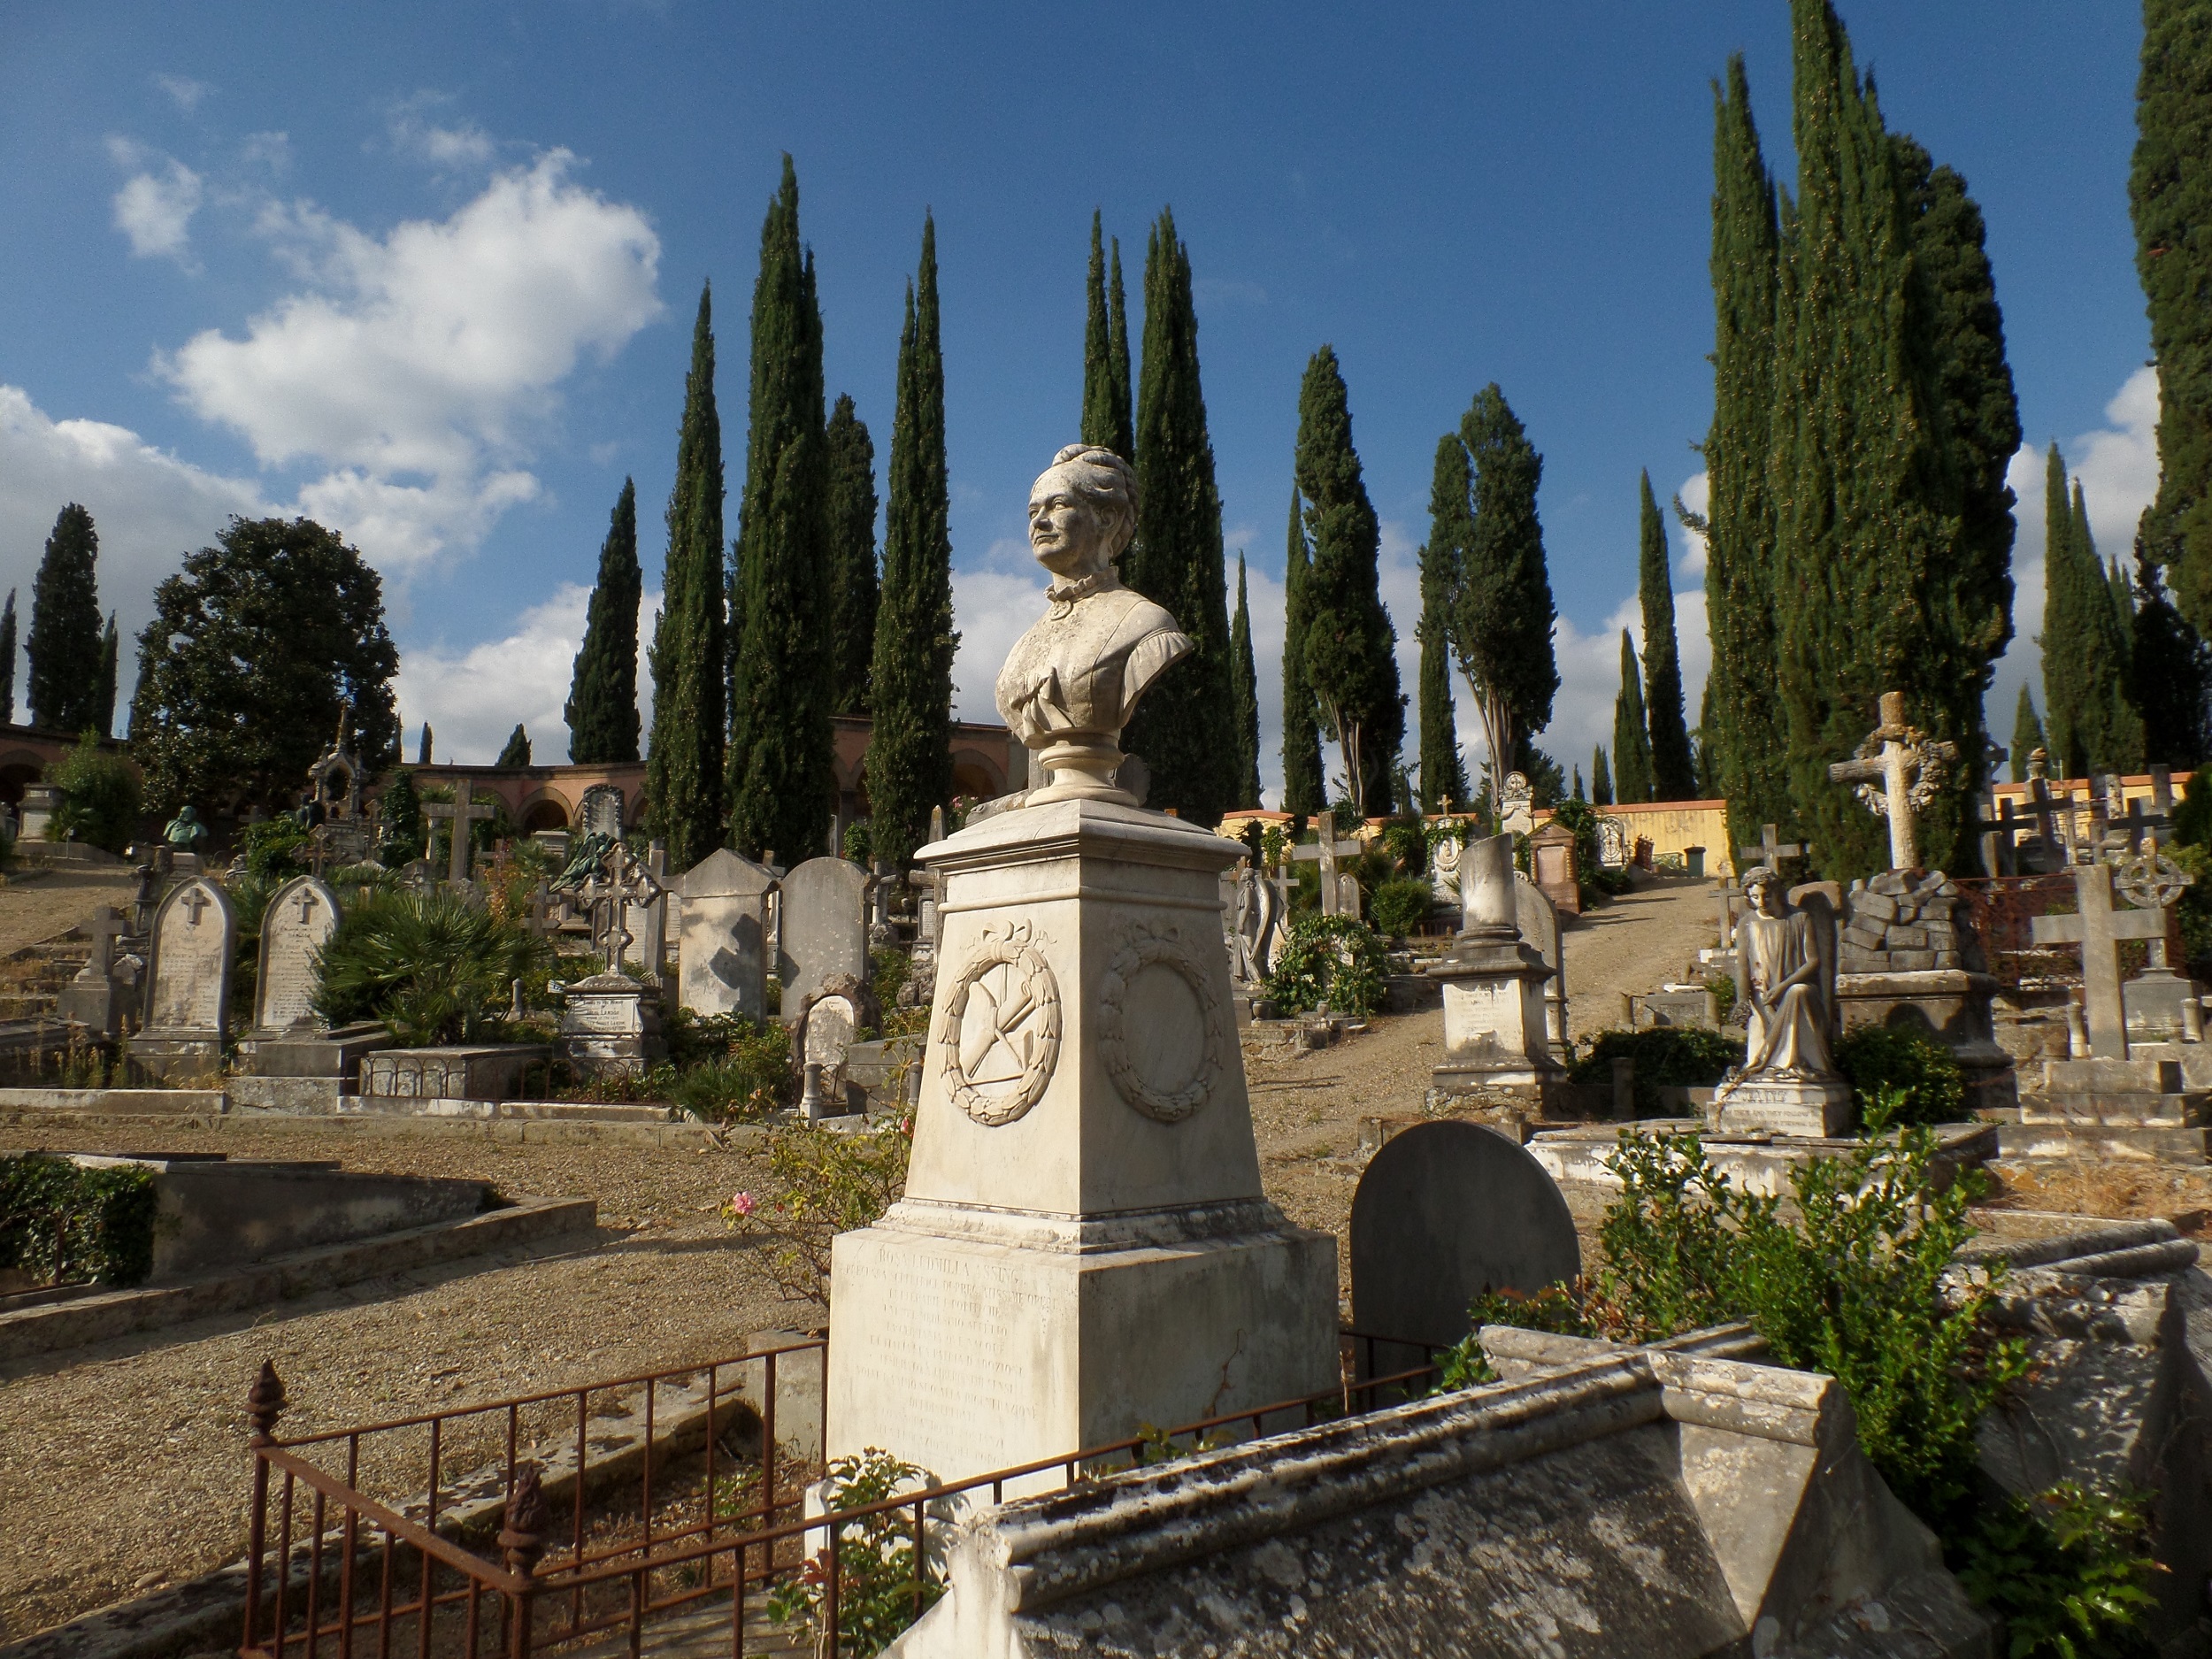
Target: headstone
<point>1495,1021</point>
<point>1899,770</point>
<point>722,962</point>
<point>610,1023</point>
<point>1444,868</point>
<point>99,998</point>
<point>829,1025</point>
<point>1445,1212</point>
<point>188,995</point>
<point>40,802</point>
<point>1769,851</point>
<point>1538,919</point>
<point>1612,843</point>
<point>1350,899</point>
<point>1325,851</point>
<point>825,926</point>
<point>652,932</point>
<point>1551,856</point>
<point>460,816</point>
<point>2098,928</point>
<point>600,811</point>
<point>299,920</point>
<point>1516,805</point>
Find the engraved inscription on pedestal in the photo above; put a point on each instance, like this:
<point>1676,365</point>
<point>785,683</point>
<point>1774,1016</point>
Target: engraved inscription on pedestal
<point>921,1347</point>
<point>1162,1029</point>
<point>999,1035</point>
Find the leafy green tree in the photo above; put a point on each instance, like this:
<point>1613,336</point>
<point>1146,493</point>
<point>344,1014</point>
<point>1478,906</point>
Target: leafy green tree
<point>852,531</point>
<point>683,762</point>
<point>2169,192</point>
<point>1349,642</point>
<point>399,821</point>
<point>2092,725</point>
<point>2027,733</point>
<point>517,750</point>
<point>302,607</point>
<point>1503,615</point>
<point>602,710</point>
<point>65,643</point>
<point>780,776</point>
<point>909,765</point>
<point>1745,736</point>
<point>2171,672</point>
<point>1108,416</point>
<point>1673,778</point>
<point>1443,774</point>
<point>1184,728</point>
<point>1631,740</point>
<point>104,687</point>
<point>1601,779</point>
<point>7,660</point>
<point>101,802</point>
<point>1304,788</point>
<point>1245,684</point>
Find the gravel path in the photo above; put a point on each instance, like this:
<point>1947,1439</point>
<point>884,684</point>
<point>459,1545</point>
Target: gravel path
<point>125,1468</point>
<point>39,907</point>
<point>1632,944</point>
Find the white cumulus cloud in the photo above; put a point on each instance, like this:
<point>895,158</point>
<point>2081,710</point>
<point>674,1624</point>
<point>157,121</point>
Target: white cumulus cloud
<point>154,208</point>
<point>416,365</point>
<point>473,698</point>
<point>183,91</point>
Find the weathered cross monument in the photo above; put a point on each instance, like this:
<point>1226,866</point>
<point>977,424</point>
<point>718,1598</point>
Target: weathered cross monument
<point>1326,850</point>
<point>461,814</point>
<point>1084,1246</point>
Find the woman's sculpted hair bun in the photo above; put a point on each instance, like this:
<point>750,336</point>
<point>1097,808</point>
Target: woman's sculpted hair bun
<point>1109,484</point>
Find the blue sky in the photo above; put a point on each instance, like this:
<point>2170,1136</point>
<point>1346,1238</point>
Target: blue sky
<point>427,272</point>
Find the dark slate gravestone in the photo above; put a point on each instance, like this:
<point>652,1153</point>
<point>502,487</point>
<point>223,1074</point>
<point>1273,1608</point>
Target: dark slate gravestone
<point>1446,1211</point>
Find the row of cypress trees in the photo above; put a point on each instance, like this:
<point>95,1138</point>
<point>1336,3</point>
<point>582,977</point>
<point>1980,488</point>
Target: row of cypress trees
<point>71,684</point>
<point>1861,531</point>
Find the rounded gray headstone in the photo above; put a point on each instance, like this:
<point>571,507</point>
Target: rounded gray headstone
<point>1445,1212</point>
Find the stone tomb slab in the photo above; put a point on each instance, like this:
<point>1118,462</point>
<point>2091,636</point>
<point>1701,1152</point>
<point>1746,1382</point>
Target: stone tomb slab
<point>1444,1212</point>
<point>298,922</point>
<point>825,926</point>
<point>722,940</point>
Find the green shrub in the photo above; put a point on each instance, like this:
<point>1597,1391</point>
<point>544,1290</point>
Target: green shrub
<point>433,966</point>
<point>274,847</point>
<point>1665,1056</point>
<point>1919,1069</point>
<point>859,840</point>
<point>1335,960</point>
<point>2067,1570</point>
<point>68,1224</point>
<point>2193,813</point>
<point>101,806</point>
<point>821,1182</point>
<point>882,1584</point>
<point>887,970</point>
<point>1400,906</point>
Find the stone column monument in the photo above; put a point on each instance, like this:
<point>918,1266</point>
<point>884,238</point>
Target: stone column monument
<point>1083,1247</point>
<point>1496,1034</point>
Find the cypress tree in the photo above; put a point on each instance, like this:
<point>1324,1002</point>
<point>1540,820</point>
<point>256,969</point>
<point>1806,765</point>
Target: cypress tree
<point>2027,733</point>
<point>1601,779</point>
<point>1503,615</point>
<point>2169,192</point>
<point>422,748</point>
<point>1708,760</point>
<point>601,708</point>
<point>1632,739</point>
<point>780,776</point>
<point>103,686</point>
<point>1575,792</point>
<point>1349,658</point>
<point>1743,730</point>
<point>683,763</point>
<point>1673,778</point>
<point>1305,791</point>
<point>1107,413</point>
<point>7,660</point>
<point>910,761</point>
<point>65,641</point>
<point>2172,672</point>
<point>1443,775</point>
<point>1185,727</point>
<point>852,531</point>
<point>517,751</point>
<point>2092,726</point>
<point>1245,682</point>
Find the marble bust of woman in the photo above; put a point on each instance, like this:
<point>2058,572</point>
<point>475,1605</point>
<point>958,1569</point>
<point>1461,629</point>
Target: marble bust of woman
<point>1071,682</point>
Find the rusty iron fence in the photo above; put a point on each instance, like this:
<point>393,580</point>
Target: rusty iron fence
<point>337,1571</point>
<point>2004,909</point>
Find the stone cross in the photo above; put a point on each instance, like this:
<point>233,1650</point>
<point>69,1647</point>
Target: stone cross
<point>1909,767</point>
<point>1325,852</point>
<point>541,920</point>
<point>462,811</point>
<point>2098,928</point>
<point>1770,852</point>
<point>105,927</point>
<point>196,901</point>
<point>619,883</point>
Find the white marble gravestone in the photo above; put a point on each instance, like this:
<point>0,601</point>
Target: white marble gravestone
<point>1537,918</point>
<point>825,926</point>
<point>722,940</point>
<point>194,942</point>
<point>300,919</point>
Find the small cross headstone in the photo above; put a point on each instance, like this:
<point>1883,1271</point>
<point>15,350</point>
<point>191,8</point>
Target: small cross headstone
<point>1769,849</point>
<point>1899,769</point>
<point>194,941</point>
<point>104,929</point>
<point>460,816</point>
<point>299,920</point>
<point>1326,851</point>
<point>2098,928</point>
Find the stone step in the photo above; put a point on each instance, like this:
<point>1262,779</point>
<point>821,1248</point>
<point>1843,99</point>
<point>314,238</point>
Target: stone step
<point>2186,1144</point>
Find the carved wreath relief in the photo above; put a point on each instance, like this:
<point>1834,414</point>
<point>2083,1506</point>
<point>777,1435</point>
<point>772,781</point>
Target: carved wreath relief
<point>1000,1036</point>
<point>1144,947</point>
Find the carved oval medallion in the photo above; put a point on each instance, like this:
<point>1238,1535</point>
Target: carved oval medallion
<point>1000,1035</point>
<point>1148,963</point>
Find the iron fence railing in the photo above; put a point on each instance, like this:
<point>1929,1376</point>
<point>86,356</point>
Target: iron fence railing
<point>335,1571</point>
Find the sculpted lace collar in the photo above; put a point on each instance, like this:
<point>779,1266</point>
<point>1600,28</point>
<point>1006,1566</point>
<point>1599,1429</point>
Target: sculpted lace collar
<point>1062,595</point>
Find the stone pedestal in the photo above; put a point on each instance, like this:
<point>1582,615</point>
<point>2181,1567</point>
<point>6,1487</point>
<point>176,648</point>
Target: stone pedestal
<point>177,1061</point>
<point>1787,1106</point>
<point>611,1023</point>
<point>1495,1025</point>
<point>1950,1004</point>
<point>1084,1247</point>
<point>103,1004</point>
<point>304,1068</point>
<point>486,1071</point>
<point>40,801</point>
<point>2161,1006</point>
<point>2152,1105</point>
